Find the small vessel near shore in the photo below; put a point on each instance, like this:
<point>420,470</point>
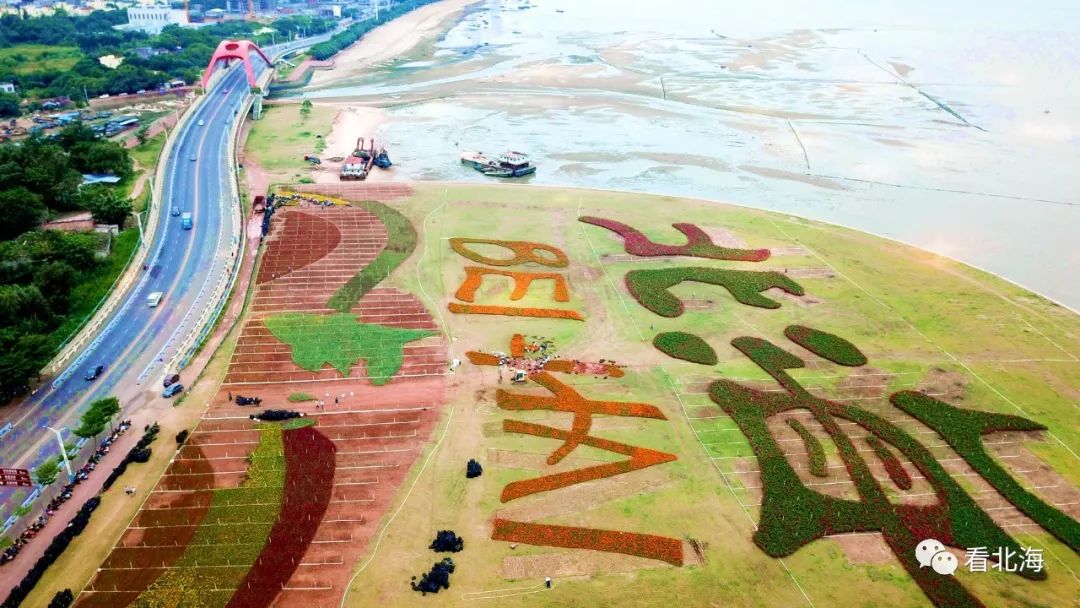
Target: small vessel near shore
<point>507,164</point>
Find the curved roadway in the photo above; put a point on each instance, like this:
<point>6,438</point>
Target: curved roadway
<point>185,265</point>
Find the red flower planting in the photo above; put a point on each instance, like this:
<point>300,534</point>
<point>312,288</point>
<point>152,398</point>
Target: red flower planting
<point>309,481</point>
<point>793,514</point>
<point>629,543</point>
<point>698,245</point>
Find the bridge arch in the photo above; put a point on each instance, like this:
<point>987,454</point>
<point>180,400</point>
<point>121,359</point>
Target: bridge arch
<point>235,49</point>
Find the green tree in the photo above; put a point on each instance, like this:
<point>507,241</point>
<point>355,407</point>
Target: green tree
<point>91,424</point>
<point>94,419</point>
<point>142,134</point>
<point>46,170</point>
<point>21,209</point>
<point>23,306</point>
<point>108,408</point>
<point>21,359</point>
<point>74,134</point>
<point>47,472</point>
<point>101,156</point>
<point>9,105</point>
<point>305,108</point>
<point>106,205</point>
<point>55,281</point>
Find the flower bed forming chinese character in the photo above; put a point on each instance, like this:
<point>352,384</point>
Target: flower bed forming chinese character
<point>963,430</point>
<point>698,245</point>
<point>639,458</point>
<point>897,473</point>
<point>514,311</point>
<point>688,347</point>
<point>665,549</point>
<point>524,251</point>
<point>793,515</point>
<point>814,449</point>
<point>651,287</point>
<point>826,345</point>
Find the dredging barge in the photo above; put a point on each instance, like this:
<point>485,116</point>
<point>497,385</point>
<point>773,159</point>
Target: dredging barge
<point>507,164</point>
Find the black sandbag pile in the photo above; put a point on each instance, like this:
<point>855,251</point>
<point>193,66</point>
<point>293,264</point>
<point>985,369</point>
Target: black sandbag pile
<point>52,552</point>
<point>438,578</point>
<point>275,415</point>
<point>473,469</point>
<point>447,542</point>
<point>140,453</point>
<point>62,599</point>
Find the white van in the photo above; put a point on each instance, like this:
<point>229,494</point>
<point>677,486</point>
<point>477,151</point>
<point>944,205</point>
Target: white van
<point>154,299</point>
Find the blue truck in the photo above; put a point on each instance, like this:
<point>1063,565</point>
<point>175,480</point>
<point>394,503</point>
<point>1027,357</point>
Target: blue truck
<point>185,221</point>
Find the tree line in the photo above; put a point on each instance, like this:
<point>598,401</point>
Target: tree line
<point>344,39</point>
<point>39,269</point>
<point>186,51</point>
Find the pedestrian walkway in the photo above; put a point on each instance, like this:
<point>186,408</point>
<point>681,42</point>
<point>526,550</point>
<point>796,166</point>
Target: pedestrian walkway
<point>14,571</point>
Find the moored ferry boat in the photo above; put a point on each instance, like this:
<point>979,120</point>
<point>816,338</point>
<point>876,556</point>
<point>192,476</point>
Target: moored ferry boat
<point>507,164</point>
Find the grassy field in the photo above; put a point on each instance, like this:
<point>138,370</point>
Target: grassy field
<point>145,156</point>
<point>919,318</point>
<point>280,139</point>
<point>30,58</point>
<point>922,321</point>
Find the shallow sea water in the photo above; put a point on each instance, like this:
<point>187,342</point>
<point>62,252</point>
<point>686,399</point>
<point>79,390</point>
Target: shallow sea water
<point>953,128</point>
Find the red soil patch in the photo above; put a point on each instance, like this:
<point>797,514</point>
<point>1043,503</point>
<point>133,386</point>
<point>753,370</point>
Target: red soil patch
<point>155,539</point>
<point>348,239</point>
<point>309,237</point>
<point>362,191</point>
<point>377,433</point>
<point>260,358</point>
<point>309,479</point>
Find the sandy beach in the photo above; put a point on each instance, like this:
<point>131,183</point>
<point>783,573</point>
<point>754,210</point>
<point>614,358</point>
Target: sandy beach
<point>351,122</point>
<point>391,40</point>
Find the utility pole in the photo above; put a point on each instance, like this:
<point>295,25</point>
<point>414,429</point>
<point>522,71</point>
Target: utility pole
<point>63,452</point>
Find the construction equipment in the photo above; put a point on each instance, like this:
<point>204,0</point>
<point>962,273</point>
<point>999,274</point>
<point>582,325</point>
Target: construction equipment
<point>359,162</point>
<point>312,159</point>
<point>354,168</point>
<point>382,159</point>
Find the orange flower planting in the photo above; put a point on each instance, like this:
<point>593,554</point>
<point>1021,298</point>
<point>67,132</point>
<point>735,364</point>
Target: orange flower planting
<point>524,252</point>
<point>514,311</point>
<point>474,276</point>
<point>640,458</point>
<point>563,366</point>
<point>629,543</point>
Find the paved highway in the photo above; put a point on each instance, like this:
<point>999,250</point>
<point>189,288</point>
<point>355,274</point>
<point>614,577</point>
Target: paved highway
<point>185,265</point>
